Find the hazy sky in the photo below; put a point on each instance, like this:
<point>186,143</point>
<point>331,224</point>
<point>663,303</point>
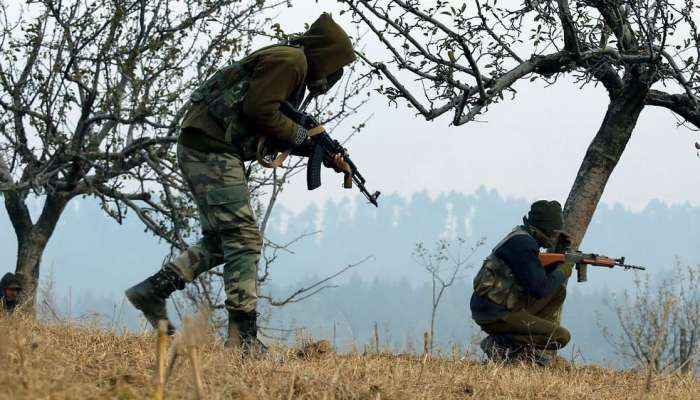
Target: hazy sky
<point>529,147</point>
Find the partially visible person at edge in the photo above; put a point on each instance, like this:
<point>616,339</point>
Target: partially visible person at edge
<point>515,301</point>
<point>10,288</point>
<point>229,114</point>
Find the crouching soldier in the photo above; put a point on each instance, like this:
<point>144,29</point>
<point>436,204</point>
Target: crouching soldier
<point>10,288</point>
<point>515,301</point>
<point>235,117</point>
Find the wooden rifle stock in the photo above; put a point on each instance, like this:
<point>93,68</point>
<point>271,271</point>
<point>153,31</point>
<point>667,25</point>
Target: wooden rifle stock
<point>550,261</point>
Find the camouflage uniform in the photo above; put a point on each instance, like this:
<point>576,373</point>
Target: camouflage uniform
<point>229,115</point>
<point>230,232</point>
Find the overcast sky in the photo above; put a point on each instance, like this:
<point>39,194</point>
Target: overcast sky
<point>530,147</point>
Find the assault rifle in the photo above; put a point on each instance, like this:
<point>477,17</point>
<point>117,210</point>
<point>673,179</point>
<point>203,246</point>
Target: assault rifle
<point>582,261</point>
<point>324,148</point>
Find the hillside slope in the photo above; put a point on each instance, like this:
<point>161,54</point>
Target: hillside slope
<point>58,361</point>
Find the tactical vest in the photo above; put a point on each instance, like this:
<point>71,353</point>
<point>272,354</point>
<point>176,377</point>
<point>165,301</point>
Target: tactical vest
<point>224,93</point>
<point>495,280</point>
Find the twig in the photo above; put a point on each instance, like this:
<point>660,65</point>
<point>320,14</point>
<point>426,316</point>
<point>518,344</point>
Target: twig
<point>197,373</point>
<point>173,357</point>
<point>313,289</point>
<point>194,359</point>
<point>290,394</point>
<point>376,338</point>
<point>426,353</point>
<point>159,393</point>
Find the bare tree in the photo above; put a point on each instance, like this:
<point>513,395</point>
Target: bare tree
<point>444,264</point>
<point>661,323</point>
<point>464,56</point>
<point>91,96</point>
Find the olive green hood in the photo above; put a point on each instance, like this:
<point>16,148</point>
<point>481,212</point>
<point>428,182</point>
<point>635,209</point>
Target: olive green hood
<point>327,48</point>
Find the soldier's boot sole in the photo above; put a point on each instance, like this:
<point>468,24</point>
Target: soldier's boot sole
<point>143,297</point>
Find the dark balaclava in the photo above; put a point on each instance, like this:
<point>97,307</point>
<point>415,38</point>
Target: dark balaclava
<point>546,218</point>
<point>328,49</point>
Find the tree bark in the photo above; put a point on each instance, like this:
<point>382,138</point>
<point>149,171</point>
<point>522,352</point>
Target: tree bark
<point>29,252</point>
<point>602,156</point>
<point>32,240</point>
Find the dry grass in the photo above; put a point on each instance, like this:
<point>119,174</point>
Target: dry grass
<point>52,361</point>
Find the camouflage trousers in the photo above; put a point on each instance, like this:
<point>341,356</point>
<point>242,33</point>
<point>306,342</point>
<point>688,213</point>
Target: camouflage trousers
<point>230,233</point>
<point>535,326</point>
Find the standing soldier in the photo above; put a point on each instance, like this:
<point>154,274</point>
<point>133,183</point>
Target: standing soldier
<point>235,117</point>
<point>515,301</point>
<point>10,287</point>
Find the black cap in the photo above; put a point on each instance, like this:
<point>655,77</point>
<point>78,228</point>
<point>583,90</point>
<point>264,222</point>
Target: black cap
<point>10,281</point>
<point>545,215</point>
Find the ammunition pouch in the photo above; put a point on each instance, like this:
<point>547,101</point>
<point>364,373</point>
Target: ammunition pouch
<point>496,282</point>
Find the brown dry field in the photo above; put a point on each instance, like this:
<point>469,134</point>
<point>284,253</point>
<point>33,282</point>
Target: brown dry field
<point>60,361</point>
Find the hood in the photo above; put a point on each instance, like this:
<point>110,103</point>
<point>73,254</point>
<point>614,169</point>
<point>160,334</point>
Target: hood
<point>327,47</point>
<point>10,280</point>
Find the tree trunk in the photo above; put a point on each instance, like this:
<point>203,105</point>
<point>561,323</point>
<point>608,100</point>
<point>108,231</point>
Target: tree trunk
<point>601,158</point>
<point>29,252</point>
<point>32,240</point>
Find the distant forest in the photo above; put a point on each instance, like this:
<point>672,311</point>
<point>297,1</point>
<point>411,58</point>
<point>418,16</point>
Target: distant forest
<point>92,259</point>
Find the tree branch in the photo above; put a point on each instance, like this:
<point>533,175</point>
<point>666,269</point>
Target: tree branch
<point>306,292</point>
<point>567,22</point>
<point>680,104</point>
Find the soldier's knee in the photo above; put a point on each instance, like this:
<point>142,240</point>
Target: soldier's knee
<point>563,337</point>
<point>244,240</point>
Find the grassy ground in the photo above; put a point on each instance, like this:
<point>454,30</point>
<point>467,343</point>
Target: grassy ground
<point>51,361</point>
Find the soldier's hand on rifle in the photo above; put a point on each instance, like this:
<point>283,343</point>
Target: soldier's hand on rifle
<point>339,164</point>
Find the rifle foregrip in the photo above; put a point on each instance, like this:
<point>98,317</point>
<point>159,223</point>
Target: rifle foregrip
<point>313,170</point>
<point>581,272</point>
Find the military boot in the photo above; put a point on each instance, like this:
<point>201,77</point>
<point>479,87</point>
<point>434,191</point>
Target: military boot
<point>149,296</point>
<point>243,334</point>
<point>500,348</point>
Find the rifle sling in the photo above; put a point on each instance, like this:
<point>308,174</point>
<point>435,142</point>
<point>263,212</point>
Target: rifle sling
<point>315,131</point>
<point>260,155</point>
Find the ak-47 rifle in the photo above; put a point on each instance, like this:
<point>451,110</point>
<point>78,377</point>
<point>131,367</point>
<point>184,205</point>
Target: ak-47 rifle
<point>582,261</point>
<point>325,148</point>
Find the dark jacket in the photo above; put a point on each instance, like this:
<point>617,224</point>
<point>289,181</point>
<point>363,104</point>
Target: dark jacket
<point>521,254</point>
<point>279,73</point>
